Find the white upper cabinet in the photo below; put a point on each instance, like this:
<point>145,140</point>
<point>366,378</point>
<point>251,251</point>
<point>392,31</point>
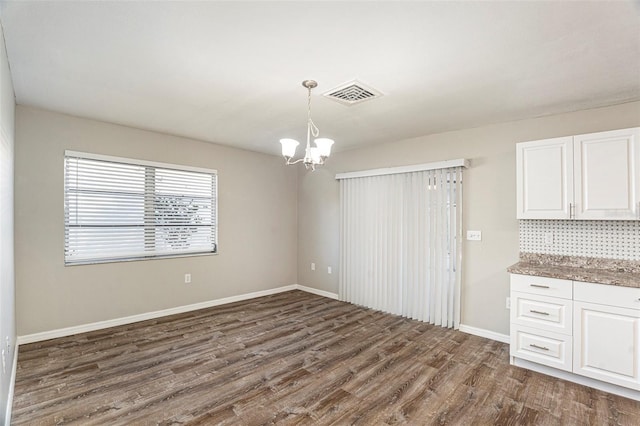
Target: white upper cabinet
<point>592,176</point>
<point>545,178</point>
<point>607,183</point>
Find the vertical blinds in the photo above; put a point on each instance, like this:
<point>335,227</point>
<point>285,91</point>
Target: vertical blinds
<point>400,243</point>
<point>122,209</point>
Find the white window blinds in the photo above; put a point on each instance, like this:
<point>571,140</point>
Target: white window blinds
<point>400,243</point>
<point>121,209</point>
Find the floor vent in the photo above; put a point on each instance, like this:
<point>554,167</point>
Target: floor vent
<point>352,93</point>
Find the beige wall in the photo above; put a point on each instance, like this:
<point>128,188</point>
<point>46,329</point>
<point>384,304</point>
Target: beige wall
<point>489,201</point>
<point>260,246</point>
<point>7,299</point>
<point>257,226</point>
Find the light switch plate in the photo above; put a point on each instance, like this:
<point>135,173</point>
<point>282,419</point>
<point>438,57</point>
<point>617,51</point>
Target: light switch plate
<point>474,235</point>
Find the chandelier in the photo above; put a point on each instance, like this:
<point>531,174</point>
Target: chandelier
<point>313,156</point>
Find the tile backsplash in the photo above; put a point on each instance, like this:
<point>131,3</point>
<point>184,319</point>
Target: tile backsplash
<point>611,239</point>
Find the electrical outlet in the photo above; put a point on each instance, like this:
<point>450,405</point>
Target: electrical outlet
<point>474,235</point>
<point>313,266</point>
<point>508,303</point>
<point>548,239</point>
<point>187,278</point>
<point>328,269</point>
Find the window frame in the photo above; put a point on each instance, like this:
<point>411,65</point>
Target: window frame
<point>143,163</point>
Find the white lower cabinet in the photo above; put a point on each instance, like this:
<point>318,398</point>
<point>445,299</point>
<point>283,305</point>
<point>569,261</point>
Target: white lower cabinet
<point>607,343</point>
<point>541,320</point>
<point>593,331</point>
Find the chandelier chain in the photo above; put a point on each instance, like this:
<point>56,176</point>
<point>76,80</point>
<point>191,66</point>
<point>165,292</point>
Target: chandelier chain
<point>312,126</point>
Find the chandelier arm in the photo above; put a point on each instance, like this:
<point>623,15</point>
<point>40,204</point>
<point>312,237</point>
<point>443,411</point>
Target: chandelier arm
<point>289,162</point>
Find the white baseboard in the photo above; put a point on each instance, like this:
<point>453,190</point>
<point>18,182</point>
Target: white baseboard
<point>504,338</point>
<point>575,378</point>
<point>68,331</point>
<point>12,385</point>
<point>322,293</point>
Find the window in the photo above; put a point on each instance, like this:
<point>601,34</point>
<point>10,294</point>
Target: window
<point>119,209</point>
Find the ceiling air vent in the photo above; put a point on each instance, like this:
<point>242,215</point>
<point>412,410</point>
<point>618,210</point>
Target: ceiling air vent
<point>352,93</point>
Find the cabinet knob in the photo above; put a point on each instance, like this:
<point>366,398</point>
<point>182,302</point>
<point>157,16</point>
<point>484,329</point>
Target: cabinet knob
<point>539,286</point>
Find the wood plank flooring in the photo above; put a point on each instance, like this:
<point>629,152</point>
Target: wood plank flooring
<point>293,358</point>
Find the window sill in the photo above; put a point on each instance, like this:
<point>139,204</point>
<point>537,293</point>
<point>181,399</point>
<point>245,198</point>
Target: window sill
<point>137,259</point>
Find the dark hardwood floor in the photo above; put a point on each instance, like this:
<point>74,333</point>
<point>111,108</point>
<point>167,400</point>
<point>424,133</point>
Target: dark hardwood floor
<point>293,358</point>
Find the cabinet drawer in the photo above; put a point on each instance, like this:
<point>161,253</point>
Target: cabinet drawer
<point>543,347</point>
<point>553,287</point>
<point>543,312</point>
<point>612,295</point>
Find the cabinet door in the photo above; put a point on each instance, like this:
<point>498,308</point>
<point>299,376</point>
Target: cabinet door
<point>607,343</point>
<point>607,181</point>
<point>544,178</point>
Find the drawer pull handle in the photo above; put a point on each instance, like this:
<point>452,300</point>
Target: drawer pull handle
<point>539,347</point>
<point>539,286</point>
<point>538,312</point>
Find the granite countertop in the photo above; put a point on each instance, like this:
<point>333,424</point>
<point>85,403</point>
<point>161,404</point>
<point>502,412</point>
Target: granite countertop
<point>624,273</point>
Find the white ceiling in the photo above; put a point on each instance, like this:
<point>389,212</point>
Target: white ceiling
<point>230,72</point>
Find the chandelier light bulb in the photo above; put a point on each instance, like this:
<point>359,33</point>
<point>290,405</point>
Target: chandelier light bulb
<point>289,147</point>
<point>324,146</point>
